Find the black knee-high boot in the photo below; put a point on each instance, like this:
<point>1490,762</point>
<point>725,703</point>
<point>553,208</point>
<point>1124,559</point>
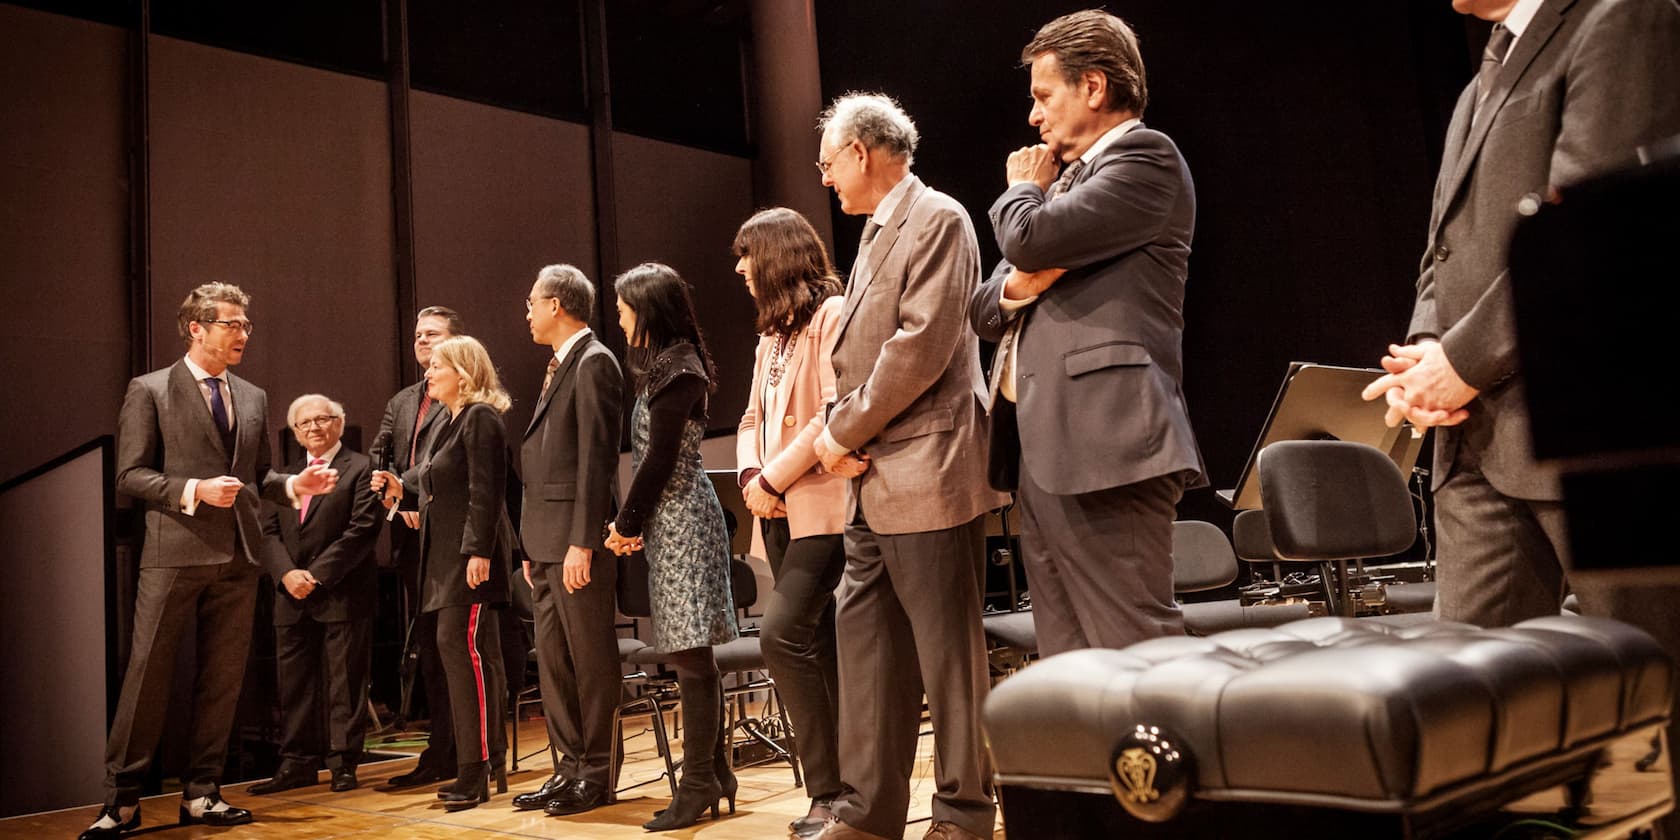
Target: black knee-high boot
<point>702,708</point>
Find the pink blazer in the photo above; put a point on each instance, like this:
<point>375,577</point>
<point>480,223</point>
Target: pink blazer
<point>777,438</point>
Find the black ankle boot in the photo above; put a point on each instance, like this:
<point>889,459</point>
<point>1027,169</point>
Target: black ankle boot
<point>685,809</point>
<point>472,786</point>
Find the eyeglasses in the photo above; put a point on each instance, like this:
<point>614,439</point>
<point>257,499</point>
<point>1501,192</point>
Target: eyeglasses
<point>321,422</point>
<point>532,301</point>
<point>824,163</point>
<point>241,325</point>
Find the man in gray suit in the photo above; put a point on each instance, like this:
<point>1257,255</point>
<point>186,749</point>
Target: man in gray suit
<point>1567,89</point>
<point>409,420</point>
<point>1089,424</point>
<point>193,448</point>
<point>910,426</point>
<point>569,463</point>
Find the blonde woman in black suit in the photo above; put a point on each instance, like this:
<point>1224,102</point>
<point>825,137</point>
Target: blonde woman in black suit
<point>466,541</point>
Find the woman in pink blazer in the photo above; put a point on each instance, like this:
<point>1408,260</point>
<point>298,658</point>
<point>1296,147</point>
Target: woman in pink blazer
<point>799,507</point>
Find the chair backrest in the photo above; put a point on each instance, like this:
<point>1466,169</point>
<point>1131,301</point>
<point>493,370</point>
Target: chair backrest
<point>633,579</point>
<point>1250,537</point>
<point>1202,557</point>
<point>1334,500</point>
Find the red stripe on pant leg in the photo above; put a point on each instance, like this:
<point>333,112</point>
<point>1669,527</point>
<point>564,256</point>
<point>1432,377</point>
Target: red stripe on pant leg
<point>478,679</point>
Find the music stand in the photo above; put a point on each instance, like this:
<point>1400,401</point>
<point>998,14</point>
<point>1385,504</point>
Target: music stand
<point>1322,402</point>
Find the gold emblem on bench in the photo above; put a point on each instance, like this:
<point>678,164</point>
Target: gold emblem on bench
<point>1135,769</point>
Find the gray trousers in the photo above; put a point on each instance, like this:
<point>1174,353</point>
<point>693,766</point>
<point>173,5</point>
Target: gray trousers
<point>1099,565</point>
<point>577,665</point>
<point>1502,560</point>
<point>909,623</point>
<point>216,601</point>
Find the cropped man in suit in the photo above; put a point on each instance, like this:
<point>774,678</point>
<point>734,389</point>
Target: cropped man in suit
<point>1089,423</point>
<point>910,426</point>
<point>1567,89</point>
<point>324,591</point>
<point>410,418</point>
<point>193,449</point>
<point>570,460</point>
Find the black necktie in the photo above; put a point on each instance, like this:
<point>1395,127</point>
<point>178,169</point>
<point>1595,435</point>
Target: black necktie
<point>218,408</point>
<point>1493,57</point>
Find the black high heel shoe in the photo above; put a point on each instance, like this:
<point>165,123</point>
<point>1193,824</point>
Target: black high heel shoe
<point>501,778</point>
<point>687,806</point>
<point>471,788</point>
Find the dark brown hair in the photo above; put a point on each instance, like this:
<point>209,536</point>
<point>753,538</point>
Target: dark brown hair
<point>1095,40</point>
<point>791,272</point>
<point>449,316</point>
<point>200,305</point>
<point>664,317</point>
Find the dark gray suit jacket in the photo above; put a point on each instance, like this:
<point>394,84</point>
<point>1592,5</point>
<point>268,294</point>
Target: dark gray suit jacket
<point>165,436</point>
<point>570,455</point>
<point>335,543</point>
<point>1587,83</point>
<point>1099,370</point>
<point>396,436</point>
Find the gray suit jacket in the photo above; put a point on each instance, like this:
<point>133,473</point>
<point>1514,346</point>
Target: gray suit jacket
<point>1588,83</point>
<point>907,369</point>
<point>570,455</point>
<point>395,438</point>
<point>165,436</point>
<point>1100,361</point>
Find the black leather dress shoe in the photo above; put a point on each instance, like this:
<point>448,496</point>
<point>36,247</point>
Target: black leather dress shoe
<point>228,816</point>
<point>114,825</point>
<point>577,797</point>
<point>541,796</point>
<point>420,776</point>
<point>288,777</point>
<point>343,779</point>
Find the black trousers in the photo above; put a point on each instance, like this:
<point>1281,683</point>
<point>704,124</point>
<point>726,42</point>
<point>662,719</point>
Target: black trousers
<point>797,635</point>
<point>577,665</point>
<point>323,673</point>
<point>440,748</point>
<point>216,602</point>
<point>469,641</point>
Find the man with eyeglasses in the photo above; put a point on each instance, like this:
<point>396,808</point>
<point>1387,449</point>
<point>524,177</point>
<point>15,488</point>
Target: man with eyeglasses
<point>193,450</point>
<point>409,419</point>
<point>324,591</point>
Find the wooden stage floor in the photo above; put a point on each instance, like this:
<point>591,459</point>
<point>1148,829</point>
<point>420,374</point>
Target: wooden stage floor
<point>766,802</point>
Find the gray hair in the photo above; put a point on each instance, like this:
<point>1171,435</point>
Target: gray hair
<point>567,284</point>
<point>297,405</point>
<point>874,119</point>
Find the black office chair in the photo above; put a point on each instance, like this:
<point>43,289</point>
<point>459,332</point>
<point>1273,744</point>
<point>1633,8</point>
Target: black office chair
<point>1329,501</point>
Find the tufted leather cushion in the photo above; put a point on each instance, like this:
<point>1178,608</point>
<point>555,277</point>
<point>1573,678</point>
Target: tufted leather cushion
<point>1357,714</point>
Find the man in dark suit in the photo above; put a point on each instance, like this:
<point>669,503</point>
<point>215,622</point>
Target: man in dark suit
<point>324,591</point>
<point>1567,89</point>
<point>409,420</point>
<point>570,460</point>
<point>1089,423</point>
<point>193,448</point>
<point>910,426</point>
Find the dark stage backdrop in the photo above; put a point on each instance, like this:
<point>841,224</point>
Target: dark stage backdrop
<point>1312,137</point>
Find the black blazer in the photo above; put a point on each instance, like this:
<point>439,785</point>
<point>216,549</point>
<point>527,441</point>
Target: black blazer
<point>460,489</point>
<point>334,542</point>
<point>570,455</point>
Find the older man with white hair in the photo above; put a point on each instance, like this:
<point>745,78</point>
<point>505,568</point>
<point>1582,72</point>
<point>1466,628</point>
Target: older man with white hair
<point>910,427</point>
<point>324,590</point>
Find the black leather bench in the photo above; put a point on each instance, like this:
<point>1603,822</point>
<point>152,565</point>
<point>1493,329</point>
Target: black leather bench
<point>1331,727</point>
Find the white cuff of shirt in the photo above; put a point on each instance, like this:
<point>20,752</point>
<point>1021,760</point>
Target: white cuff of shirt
<point>826,441</point>
<point>189,497</point>
<point>297,504</point>
<point>1009,304</point>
